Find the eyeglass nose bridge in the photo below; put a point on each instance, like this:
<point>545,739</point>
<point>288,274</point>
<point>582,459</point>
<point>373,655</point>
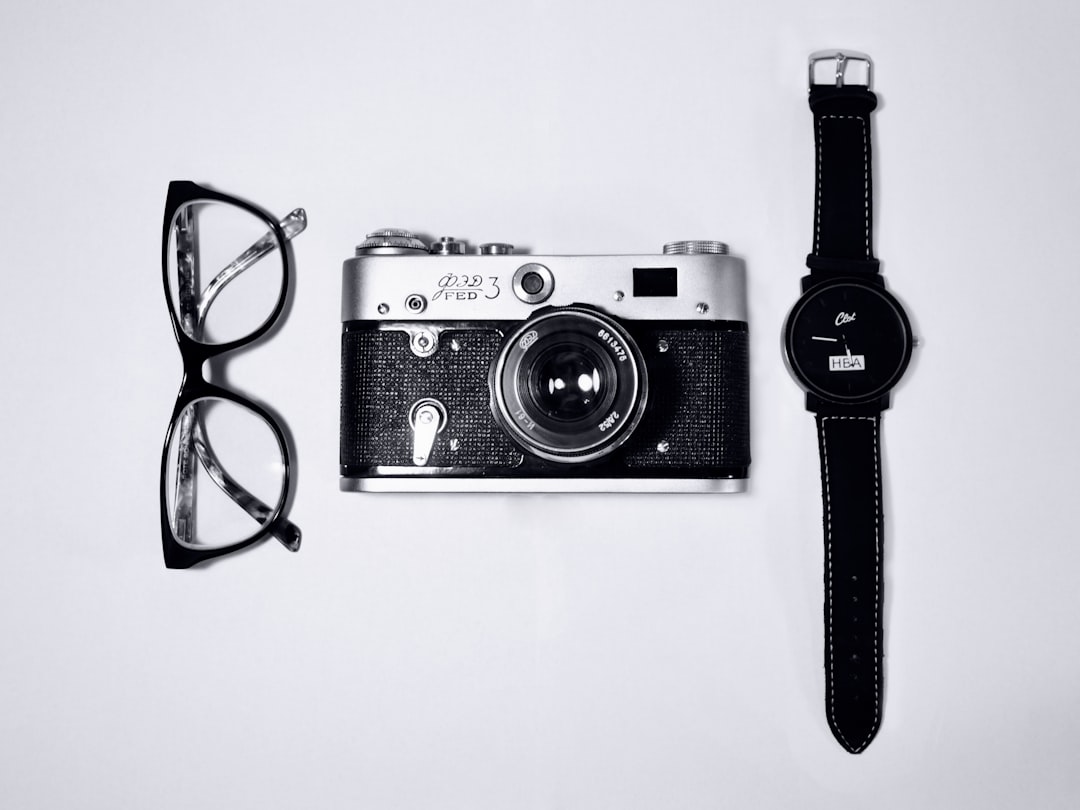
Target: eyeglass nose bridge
<point>195,354</point>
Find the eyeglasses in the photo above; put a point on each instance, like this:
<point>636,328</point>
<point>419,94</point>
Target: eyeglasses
<point>225,465</point>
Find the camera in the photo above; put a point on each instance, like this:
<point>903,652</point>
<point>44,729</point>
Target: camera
<point>486,370</point>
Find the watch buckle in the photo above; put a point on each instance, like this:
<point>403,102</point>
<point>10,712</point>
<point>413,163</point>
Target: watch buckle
<point>841,58</point>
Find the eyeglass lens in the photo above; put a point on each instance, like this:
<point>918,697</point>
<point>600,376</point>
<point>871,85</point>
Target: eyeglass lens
<point>226,271</point>
<point>226,474</point>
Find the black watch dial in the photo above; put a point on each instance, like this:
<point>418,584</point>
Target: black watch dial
<point>848,341</point>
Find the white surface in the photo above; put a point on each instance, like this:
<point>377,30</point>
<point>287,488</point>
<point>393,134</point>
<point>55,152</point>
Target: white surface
<point>542,651</point>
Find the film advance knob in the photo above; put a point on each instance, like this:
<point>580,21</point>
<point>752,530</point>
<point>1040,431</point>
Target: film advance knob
<point>390,241</point>
<point>691,247</point>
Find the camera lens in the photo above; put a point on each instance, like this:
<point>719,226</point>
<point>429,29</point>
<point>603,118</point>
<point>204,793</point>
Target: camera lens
<point>569,385</point>
<point>566,382</point>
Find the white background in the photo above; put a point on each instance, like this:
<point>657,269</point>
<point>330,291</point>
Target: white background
<point>535,651</point>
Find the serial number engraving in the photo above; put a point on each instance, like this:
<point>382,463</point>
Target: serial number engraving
<point>464,287</point>
<point>613,342</point>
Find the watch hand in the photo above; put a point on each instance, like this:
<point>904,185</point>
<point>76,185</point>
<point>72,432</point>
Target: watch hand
<point>826,339</point>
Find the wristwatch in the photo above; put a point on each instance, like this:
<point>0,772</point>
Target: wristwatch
<point>847,343</point>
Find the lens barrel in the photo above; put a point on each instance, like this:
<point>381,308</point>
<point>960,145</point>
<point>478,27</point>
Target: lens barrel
<point>569,385</point>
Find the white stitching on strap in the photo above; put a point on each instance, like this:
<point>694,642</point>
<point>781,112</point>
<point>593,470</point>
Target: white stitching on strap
<point>866,182</point>
<point>877,577</point>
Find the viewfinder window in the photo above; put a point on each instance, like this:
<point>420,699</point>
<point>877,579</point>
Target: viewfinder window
<point>656,282</point>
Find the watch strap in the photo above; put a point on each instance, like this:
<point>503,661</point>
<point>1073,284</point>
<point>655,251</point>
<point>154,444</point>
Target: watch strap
<point>844,193</point>
<point>853,522</point>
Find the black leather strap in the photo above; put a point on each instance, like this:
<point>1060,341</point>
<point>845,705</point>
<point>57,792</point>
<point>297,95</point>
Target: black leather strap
<point>843,200</point>
<point>854,541</point>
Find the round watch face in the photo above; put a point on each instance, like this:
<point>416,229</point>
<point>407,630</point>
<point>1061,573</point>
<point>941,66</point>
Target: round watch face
<point>847,341</point>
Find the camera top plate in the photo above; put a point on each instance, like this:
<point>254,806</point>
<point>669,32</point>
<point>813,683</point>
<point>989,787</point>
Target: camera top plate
<point>417,286</point>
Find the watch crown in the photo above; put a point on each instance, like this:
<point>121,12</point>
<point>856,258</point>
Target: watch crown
<point>694,246</point>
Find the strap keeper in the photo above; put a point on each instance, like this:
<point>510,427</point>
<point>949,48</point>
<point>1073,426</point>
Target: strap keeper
<point>823,265</point>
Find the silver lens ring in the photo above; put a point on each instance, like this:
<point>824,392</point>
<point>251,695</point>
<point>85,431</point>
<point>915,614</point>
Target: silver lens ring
<point>588,414</point>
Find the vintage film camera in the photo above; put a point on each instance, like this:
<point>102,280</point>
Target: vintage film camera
<point>489,371</point>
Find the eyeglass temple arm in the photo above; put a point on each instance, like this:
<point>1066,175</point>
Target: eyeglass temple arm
<point>286,532</point>
<point>184,496</point>
<point>192,317</point>
<point>292,225</point>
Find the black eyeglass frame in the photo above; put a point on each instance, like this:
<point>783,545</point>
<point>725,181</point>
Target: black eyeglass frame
<point>195,387</point>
